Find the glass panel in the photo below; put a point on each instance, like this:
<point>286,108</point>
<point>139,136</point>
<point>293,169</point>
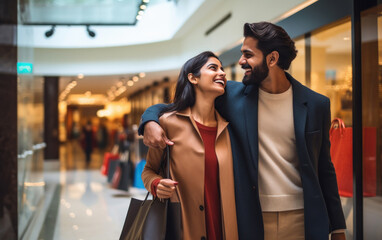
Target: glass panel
<point>331,68</point>
<point>331,75</point>
<point>372,121</point>
<point>30,113</point>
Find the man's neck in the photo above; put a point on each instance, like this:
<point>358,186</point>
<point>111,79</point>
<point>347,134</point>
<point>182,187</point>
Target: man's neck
<point>275,83</point>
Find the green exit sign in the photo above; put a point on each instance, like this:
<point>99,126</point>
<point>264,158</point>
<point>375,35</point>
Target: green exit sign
<point>24,68</point>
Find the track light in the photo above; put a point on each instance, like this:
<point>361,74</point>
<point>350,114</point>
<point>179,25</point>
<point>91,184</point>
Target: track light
<point>90,32</point>
<point>50,32</point>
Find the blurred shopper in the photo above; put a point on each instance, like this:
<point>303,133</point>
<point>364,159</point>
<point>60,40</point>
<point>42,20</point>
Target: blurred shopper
<point>102,135</point>
<point>285,182</point>
<point>87,141</point>
<point>201,159</point>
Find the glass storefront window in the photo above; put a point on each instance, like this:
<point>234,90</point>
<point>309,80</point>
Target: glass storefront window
<point>371,25</point>
<point>331,68</point>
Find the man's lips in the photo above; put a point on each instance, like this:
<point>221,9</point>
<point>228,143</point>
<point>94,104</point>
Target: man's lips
<point>248,71</point>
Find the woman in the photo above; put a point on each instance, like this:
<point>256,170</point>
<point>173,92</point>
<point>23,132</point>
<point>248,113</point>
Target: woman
<point>201,160</point>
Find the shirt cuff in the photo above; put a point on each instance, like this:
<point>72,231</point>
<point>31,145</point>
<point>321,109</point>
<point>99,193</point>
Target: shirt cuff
<point>338,231</point>
<point>154,185</point>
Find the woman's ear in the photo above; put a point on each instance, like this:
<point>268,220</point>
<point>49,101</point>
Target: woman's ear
<point>273,58</point>
<point>192,79</point>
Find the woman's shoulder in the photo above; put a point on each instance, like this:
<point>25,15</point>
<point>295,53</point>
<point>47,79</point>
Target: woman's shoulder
<point>168,117</point>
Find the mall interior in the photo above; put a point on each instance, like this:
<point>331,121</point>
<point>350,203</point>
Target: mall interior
<point>76,76</point>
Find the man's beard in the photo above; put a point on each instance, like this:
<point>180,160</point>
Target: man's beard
<point>258,73</point>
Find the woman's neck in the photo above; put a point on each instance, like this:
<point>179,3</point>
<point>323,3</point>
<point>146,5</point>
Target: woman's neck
<point>203,112</point>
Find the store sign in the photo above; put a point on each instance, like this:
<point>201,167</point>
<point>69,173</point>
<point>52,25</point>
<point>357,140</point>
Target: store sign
<point>24,68</point>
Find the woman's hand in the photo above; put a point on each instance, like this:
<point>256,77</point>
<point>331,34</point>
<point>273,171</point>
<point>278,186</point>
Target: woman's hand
<point>166,188</point>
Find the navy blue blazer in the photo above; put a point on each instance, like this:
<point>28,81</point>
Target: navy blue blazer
<point>311,112</point>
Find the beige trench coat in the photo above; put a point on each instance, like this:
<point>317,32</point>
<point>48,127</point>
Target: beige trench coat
<point>187,168</point>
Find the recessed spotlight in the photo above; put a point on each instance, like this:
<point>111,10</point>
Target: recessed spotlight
<point>50,32</point>
<point>80,76</point>
<point>90,32</point>
<point>139,17</point>
<point>146,1</point>
<point>142,75</point>
<point>130,83</point>
<point>135,78</point>
<point>140,12</point>
<point>143,7</point>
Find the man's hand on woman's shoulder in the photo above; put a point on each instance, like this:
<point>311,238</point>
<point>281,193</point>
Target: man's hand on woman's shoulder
<point>154,136</point>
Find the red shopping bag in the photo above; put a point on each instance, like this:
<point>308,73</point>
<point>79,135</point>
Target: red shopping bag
<point>105,165</point>
<point>341,152</point>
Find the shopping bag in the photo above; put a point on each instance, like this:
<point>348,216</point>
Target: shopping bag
<point>341,152</point>
<point>152,219</point>
<point>111,170</point>
<point>105,164</point>
<point>138,183</point>
<point>117,176</point>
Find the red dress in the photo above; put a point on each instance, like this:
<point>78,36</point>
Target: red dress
<point>211,184</point>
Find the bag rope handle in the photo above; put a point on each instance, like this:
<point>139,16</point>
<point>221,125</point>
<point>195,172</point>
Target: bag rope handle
<point>337,123</point>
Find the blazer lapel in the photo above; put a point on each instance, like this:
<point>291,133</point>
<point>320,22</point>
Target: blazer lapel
<point>299,115</point>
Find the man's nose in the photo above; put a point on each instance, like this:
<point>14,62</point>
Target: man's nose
<point>242,60</point>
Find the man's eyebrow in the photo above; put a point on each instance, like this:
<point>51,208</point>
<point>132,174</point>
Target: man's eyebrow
<point>246,51</point>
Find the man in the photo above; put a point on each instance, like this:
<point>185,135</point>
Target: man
<point>285,183</point>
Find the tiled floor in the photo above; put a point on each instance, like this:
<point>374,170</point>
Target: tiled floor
<point>87,207</point>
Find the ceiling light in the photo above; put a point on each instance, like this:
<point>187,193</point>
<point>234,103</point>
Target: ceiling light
<point>140,12</point>
<point>139,17</point>
<point>142,75</point>
<point>90,32</point>
<point>88,94</point>
<point>146,1</point>
<point>50,32</point>
<point>130,83</point>
<point>135,78</point>
<point>80,76</point>
<point>143,7</point>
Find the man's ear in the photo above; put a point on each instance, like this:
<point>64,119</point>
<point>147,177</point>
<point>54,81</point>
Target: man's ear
<point>192,78</point>
<point>273,58</point>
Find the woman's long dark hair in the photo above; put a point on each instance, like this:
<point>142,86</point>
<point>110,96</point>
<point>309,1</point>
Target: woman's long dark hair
<point>185,93</point>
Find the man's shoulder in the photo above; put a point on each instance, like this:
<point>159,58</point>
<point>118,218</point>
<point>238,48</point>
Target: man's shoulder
<point>234,87</point>
<point>315,96</point>
<point>310,94</point>
<point>234,84</point>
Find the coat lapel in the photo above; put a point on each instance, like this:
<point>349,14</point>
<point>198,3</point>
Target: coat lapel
<point>299,115</point>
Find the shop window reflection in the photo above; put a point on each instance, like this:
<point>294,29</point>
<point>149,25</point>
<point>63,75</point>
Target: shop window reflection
<point>331,68</point>
<point>371,25</point>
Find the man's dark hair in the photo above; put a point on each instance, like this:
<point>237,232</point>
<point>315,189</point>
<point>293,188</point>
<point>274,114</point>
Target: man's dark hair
<point>272,38</point>
<point>184,92</point>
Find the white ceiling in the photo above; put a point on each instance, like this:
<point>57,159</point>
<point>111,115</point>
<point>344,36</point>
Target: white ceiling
<point>104,66</point>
